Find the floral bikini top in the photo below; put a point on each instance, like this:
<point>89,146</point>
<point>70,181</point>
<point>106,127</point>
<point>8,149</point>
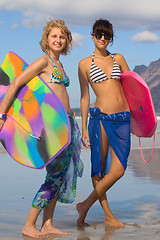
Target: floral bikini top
<point>57,76</point>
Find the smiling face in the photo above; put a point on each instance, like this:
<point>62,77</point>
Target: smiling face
<point>56,40</point>
<point>100,42</point>
<point>56,29</point>
<point>102,33</point>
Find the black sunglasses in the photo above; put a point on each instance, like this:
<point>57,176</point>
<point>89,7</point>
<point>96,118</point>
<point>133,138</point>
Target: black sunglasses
<point>99,36</point>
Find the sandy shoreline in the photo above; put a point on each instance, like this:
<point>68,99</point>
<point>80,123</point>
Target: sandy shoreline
<point>135,200</point>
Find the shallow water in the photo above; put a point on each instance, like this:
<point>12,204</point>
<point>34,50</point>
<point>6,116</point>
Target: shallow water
<point>134,199</point>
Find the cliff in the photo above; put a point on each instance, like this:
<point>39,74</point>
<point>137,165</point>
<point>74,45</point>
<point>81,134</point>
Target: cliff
<point>151,75</point>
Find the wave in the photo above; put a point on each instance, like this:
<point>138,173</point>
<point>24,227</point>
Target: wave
<point>78,117</point>
<point>78,113</point>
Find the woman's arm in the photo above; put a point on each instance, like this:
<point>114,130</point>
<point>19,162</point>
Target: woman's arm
<point>122,62</point>
<point>85,99</point>
<point>30,72</point>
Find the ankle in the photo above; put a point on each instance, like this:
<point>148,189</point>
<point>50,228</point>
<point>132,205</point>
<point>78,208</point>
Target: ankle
<point>28,225</point>
<point>81,207</point>
<point>109,217</point>
<point>47,224</point>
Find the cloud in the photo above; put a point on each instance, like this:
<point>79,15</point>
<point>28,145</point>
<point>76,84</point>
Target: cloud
<point>36,20</point>
<point>146,36</point>
<point>14,26</point>
<point>78,39</point>
<point>124,14</point>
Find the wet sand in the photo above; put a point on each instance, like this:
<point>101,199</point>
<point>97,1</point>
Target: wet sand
<point>134,199</point>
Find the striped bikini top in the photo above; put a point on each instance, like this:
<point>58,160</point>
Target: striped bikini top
<point>57,76</point>
<point>97,75</point>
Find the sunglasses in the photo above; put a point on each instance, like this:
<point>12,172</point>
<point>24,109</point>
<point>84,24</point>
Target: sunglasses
<point>99,36</point>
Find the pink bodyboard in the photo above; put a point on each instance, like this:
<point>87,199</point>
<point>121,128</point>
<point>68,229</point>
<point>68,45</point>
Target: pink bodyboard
<point>143,117</point>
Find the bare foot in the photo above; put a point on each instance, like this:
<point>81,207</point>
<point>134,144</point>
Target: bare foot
<point>47,229</point>
<point>32,232</point>
<point>114,222</point>
<point>82,215</point>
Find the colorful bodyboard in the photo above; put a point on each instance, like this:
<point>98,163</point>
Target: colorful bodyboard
<point>143,117</point>
<point>37,127</point>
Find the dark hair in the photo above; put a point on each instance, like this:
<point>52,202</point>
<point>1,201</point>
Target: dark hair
<point>103,26</point>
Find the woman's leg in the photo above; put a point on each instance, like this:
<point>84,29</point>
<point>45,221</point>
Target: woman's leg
<point>116,171</point>
<point>30,226</point>
<point>47,226</point>
<point>109,217</point>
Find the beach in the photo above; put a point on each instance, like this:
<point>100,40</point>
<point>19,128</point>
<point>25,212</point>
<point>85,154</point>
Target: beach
<point>134,199</point>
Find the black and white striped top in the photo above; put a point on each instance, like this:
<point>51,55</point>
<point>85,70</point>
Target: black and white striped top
<point>97,75</point>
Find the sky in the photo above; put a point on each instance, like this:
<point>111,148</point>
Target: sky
<point>136,26</point>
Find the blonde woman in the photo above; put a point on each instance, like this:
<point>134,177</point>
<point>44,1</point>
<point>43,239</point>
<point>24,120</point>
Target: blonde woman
<point>60,183</point>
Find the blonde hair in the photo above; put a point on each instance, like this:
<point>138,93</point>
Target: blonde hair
<point>46,30</point>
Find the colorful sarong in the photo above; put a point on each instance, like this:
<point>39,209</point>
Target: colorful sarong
<point>62,172</point>
<point>117,128</point>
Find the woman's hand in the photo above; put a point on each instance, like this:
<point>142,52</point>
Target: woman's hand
<point>73,113</point>
<point>85,139</point>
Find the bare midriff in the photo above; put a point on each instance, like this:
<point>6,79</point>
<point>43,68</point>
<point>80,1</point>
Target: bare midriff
<point>110,97</point>
<point>61,92</point>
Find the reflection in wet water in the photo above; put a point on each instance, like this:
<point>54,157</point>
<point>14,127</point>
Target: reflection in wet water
<point>150,170</point>
<point>135,200</point>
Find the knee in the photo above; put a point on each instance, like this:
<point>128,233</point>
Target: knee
<point>118,172</point>
<point>121,172</point>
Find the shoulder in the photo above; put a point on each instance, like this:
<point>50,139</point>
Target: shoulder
<point>84,69</point>
<point>36,67</point>
<point>119,58</point>
<point>85,62</point>
<point>41,62</point>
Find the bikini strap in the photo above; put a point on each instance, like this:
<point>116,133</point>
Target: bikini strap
<point>51,59</point>
<point>93,58</point>
<point>108,53</point>
<point>112,56</point>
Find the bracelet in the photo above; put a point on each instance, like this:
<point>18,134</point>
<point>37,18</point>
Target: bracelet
<point>3,116</point>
